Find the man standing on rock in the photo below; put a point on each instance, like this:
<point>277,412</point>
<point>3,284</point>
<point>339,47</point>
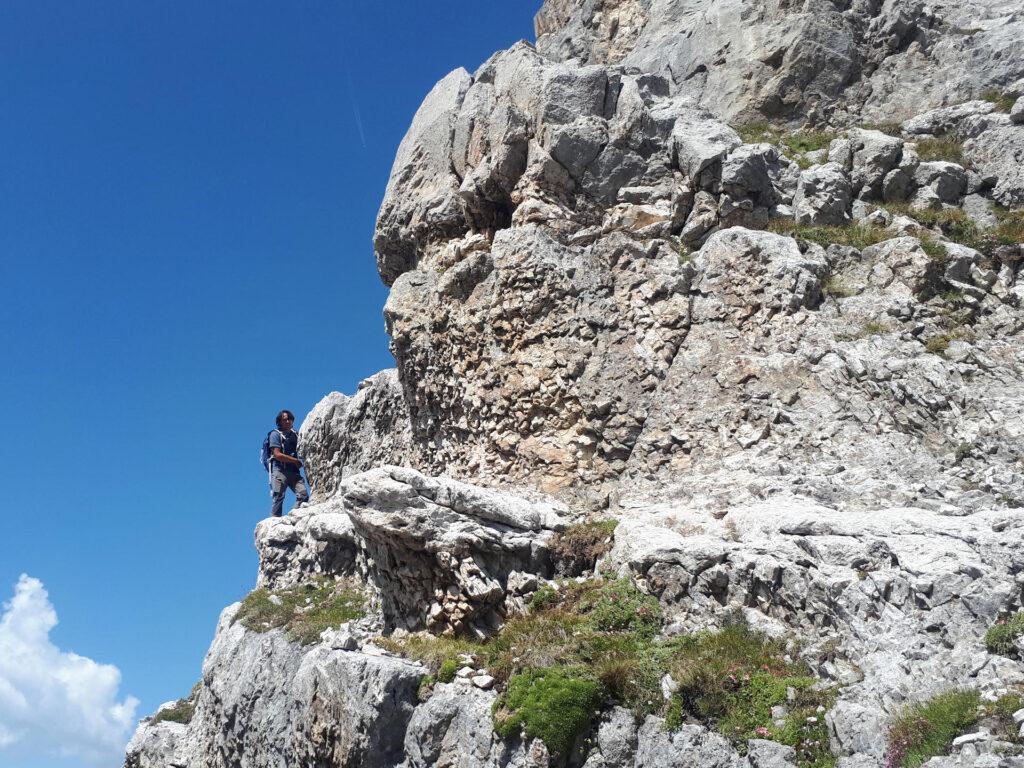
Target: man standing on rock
<point>285,464</point>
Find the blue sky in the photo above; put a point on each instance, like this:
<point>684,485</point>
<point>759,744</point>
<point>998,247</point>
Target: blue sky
<point>187,198</point>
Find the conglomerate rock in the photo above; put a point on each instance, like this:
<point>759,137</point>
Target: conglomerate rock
<point>545,230</point>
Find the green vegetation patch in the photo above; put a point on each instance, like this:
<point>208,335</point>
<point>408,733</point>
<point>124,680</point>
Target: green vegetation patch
<point>182,710</point>
<point>577,548</point>
<point>946,148</point>
<point>939,344</point>
<point>446,672</point>
<point>935,250</point>
<point>870,328</point>
<point>1009,226</point>
<point>1001,637</point>
<point>960,228</point>
<point>303,611</point>
<point>556,705</point>
<point>927,729</point>
<point>837,288</point>
<point>585,646</point>
<point>963,451</point>
<point>891,128</point>
<point>796,143</point>
<point>858,235</point>
<point>733,678</point>
<point>1004,102</point>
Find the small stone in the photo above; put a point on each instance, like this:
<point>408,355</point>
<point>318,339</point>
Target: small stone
<point>465,672</point>
<point>970,738</point>
<point>1018,716</point>
<point>483,682</point>
<point>275,599</point>
<point>668,687</point>
<point>340,640</point>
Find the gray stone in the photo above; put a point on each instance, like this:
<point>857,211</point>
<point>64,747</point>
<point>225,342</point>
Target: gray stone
<point>157,745</point>
<point>617,738</point>
<point>344,435</point>
<point>947,180</point>
<point>737,263</point>
<point>874,155</point>
<point>823,196</point>
<point>690,746</point>
<point>896,185</point>
<point>999,154</point>
<point>439,551</point>
<point>1017,112</point>
<point>770,754</point>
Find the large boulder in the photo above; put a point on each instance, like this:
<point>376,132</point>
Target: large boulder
<point>998,154</point>
<point>270,703</point>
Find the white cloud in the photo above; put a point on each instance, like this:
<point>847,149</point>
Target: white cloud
<point>54,702</point>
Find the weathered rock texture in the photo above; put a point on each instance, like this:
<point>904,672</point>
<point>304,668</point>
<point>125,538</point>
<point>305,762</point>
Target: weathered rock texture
<point>858,60</point>
<point>440,554</point>
<point>592,297</point>
<point>551,321</point>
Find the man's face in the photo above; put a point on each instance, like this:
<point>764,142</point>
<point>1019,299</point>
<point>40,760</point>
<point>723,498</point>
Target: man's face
<point>286,421</point>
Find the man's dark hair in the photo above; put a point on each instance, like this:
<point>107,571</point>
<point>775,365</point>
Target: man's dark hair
<point>282,414</point>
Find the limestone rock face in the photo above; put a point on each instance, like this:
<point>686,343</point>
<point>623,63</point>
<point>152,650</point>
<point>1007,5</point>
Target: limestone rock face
<point>544,233</point>
<point>908,593</point>
<point>266,702</point>
<point>439,554</point>
<point>344,435</point>
<point>863,60</point>
<point>793,375</point>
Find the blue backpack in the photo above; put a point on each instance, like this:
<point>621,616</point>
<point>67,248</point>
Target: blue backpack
<point>265,451</point>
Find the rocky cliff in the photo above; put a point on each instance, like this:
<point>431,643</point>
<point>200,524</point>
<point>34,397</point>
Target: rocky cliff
<point>703,445</point>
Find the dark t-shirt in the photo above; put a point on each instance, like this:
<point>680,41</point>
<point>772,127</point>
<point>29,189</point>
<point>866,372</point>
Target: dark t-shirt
<point>289,445</point>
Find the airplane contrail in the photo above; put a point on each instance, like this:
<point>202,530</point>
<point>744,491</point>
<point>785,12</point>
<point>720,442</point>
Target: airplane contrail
<point>355,107</point>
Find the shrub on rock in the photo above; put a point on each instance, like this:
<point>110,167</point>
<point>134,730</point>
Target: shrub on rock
<point>1002,637</point>
<point>555,705</point>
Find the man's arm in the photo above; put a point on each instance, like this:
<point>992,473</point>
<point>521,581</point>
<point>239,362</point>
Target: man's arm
<point>279,456</point>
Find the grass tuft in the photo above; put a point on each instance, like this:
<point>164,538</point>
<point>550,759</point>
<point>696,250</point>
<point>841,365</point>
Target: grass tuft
<point>963,451</point>
<point>182,710</point>
<point>935,250</point>
<point>577,548</point>
<point>735,676</point>
<point>927,729</point>
<point>890,128</point>
<point>937,345</point>
<point>1001,637</point>
<point>1003,102</point>
<point>958,227</point>
<point>797,143</point>
<point>946,148</point>
<point>858,234</point>
<point>837,288</point>
<point>303,611</point>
